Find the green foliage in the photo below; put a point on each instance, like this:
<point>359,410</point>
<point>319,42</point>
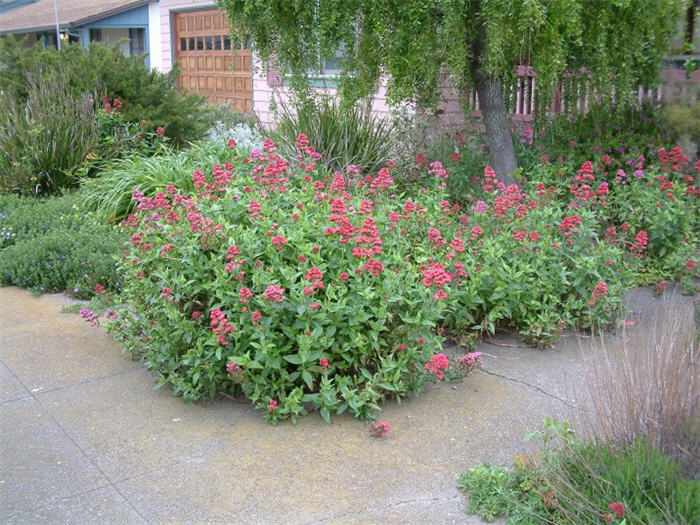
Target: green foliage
<point>102,70</point>
<point>52,245</point>
<point>577,481</point>
<point>109,195</point>
<point>345,135</point>
<point>45,138</point>
<point>415,43</point>
<point>684,120</point>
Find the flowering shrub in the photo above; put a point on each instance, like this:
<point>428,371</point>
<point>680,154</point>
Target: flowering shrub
<point>119,137</point>
<point>303,283</point>
<point>649,210</point>
<point>332,291</point>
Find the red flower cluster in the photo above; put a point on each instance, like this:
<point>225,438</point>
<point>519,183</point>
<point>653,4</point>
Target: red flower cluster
<point>379,429</point>
<point>235,372</point>
<point>274,293</point>
<point>600,290</point>
<point>374,267</point>
<point>220,325</point>
<point>279,241</point>
<point>437,364</point>
<point>436,276</point>
<point>369,237</point>
<point>640,244</point>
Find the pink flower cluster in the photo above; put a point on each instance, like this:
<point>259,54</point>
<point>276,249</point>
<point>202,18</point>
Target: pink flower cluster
<point>470,360</point>
<point>235,372</point>
<point>220,326</point>
<point>89,316</point>
<point>274,293</point>
<point>600,290</point>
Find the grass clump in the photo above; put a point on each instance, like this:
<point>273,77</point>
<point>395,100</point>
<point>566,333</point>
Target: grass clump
<point>345,136</point>
<point>109,195</point>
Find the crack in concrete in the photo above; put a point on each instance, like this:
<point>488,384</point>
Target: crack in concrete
<point>525,383</point>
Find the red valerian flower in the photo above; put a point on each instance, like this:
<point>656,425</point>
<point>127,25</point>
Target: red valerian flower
<point>601,290</point>
<point>274,293</point>
<point>374,267</point>
<point>272,405</point>
<point>245,295</point>
<point>256,316</point>
<point>618,509</point>
<point>220,326</point>
<point>344,276</point>
<point>279,241</point>
<point>314,274</point>
<point>379,429</point>
<point>235,372</point>
<point>324,364</point>
<point>437,364</point>
<point>440,295</point>
<point>436,276</point>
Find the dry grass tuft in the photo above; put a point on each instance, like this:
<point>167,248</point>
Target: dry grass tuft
<point>643,384</point>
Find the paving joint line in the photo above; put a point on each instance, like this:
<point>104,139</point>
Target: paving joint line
<point>70,438</point>
<point>18,514</point>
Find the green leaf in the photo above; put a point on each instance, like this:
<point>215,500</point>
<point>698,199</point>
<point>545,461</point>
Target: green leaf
<point>306,375</point>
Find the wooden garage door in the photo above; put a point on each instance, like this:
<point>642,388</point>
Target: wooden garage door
<point>211,64</point>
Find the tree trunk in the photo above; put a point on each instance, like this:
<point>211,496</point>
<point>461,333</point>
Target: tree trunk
<point>493,110</point>
<point>497,123</point>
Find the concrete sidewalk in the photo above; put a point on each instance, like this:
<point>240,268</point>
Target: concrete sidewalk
<point>86,439</point>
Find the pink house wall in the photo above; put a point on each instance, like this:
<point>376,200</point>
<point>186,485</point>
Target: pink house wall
<point>266,88</point>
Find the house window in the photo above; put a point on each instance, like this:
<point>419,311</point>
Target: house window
<point>95,34</point>
<point>183,44</point>
<point>333,66</point>
<point>217,42</point>
<point>137,41</point>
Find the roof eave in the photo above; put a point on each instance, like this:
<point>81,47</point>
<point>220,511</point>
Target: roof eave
<point>33,29</point>
<point>107,14</point>
<point>80,22</point>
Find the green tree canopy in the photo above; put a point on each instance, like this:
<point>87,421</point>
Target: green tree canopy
<point>417,44</point>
